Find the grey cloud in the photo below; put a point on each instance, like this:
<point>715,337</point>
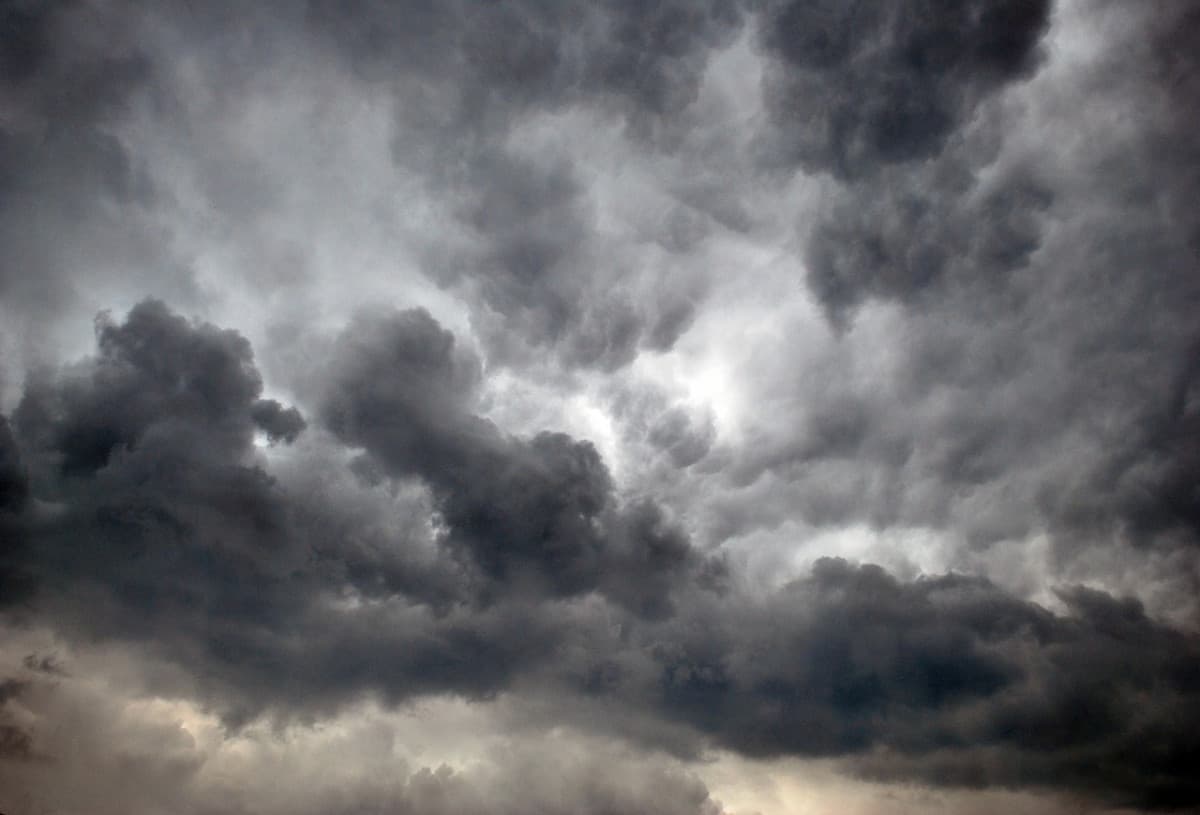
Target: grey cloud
<point>75,201</point>
<point>156,375</point>
<point>170,535</point>
<point>73,725</point>
<point>1010,357</point>
<point>1081,723</point>
<point>13,486</point>
<point>16,744</point>
<point>863,84</point>
<point>1040,375</point>
<point>278,422</point>
<point>537,276</point>
<point>1144,486</point>
<point>48,664</point>
<point>14,496</point>
<point>141,457</point>
<point>649,58</point>
<point>684,442</point>
<point>853,662</point>
<point>412,386</point>
<point>533,222</point>
<point>681,433</point>
<point>160,526</point>
<point>538,510</point>
<point>1140,484</point>
<point>462,77</point>
<point>541,280</point>
<point>893,100</point>
<point>907,237</point>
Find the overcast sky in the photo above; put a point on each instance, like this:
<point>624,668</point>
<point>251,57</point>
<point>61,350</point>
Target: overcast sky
<point>552,407</point>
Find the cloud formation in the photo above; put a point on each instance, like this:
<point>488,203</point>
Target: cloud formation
<point>160,526</point>
<point>635,386</point>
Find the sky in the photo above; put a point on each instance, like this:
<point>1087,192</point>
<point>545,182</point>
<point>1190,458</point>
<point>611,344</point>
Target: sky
<point>549,407</point>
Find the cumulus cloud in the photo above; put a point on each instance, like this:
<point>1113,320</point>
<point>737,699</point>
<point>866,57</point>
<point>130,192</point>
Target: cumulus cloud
<point>539,510</point>
<point>860,85</point>
<point>572,365</point>
<point>165,530</point>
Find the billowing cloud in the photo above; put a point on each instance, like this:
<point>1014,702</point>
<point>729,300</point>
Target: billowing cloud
<point>859,85</point>
<point>158,524</point>
<point>538,511</point>
<point>544,407</point>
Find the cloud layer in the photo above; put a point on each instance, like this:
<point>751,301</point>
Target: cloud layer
<point>776,381</point>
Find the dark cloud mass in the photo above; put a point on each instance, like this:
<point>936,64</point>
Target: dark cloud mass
<point>864,84</point>
<point>70,186</point>
<point>539,510</point>
<point>166,529</point>
<point>950,680</point>
<point>689,407</point>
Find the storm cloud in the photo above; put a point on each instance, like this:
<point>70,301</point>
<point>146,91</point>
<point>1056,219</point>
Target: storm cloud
<point>864,84</point>
<point>548,407</point>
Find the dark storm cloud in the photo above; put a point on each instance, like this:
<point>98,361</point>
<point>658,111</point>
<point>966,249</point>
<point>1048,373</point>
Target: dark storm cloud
<point>1034,371</point>
<point>62,80</point>
<point>278,422</point>
<point>156,523</point>
<point>1044,301</point>
<point>13,486</point>
<point>140,460</point>
<point>539,510</point>
<point>69,73</point>
<point>1045,382</point>
<point>14,496</point>
<point>647,59</point>
<point>157,378</point>
<point>906,235</point>
<point>858,85</point>
<point>150,520</point>
<point>950,680</point>
<point>902,104</point>
<point>877,94</point>
<point>1109,707</point>
<point>1144,485</point>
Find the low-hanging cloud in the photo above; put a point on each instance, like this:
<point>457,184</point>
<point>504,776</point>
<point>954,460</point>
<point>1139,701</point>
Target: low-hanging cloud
<point>163,507</point>
<point>574,365</point>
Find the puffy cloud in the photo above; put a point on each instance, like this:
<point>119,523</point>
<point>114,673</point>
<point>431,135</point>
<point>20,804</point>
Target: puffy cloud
<point>538,511</point>
<point>663,302</point>
<point>855,86</point>
<point>950,680</point>
<point>168,533</point>
<point>74,193</point>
